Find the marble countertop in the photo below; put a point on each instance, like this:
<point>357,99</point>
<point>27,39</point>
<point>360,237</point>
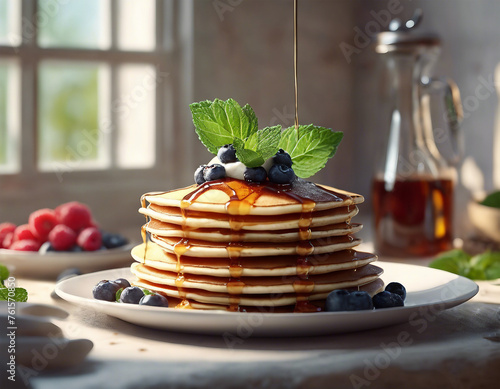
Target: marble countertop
<point>457,348</point>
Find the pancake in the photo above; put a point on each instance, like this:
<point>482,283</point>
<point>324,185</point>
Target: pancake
<point>200,248</point>
<point>262,285</point>
<point>169,230</point>
<point>264,199</point>
<point>198,219</point>
<point>199,299</point>
<point>160,259</point>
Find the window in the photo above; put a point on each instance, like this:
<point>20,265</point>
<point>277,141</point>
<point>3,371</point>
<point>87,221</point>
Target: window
<point>80,84</point>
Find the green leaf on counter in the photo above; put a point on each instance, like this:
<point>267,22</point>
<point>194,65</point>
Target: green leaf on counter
<point>454,261</point>
<point>4,273</point>
<point>485,266</point>
<point>310,147</point>
<point>492,272</point>
<point>20,295</point>
<point>492,200</point>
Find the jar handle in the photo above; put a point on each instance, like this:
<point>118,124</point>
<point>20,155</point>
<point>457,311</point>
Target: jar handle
<point>454,112</point>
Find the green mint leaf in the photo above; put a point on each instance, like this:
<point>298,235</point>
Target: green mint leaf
<point>252,119</point>
<point>492,200</point>
<point>453,261</point>
<point>310,148</point>
<point>248,157</point>
<point>218,122</point>
<point>118,295</point>
<point>146,292</point>
<point>4,273</point>
<point>258,147</point>
<point>20,295</point>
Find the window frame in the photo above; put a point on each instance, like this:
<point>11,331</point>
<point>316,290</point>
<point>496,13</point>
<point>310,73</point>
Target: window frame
<point>170,32</point>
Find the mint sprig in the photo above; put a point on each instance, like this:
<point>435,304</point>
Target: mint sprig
<point>9,294</point>
<point>485,266</point>
<point>218,123</point>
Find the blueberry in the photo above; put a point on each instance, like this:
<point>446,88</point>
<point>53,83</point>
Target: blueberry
<point>68,273</point>
<point>111,241</point>
<point>227,154</point>
<point>360,301</point>
<point>342,300</point>
<point>131,295</point>
<point>281,174</point>
<point>282,158</point>
<point>337,300</point>
<point>214,172</point>
<point>122,282</point>
<point>46,248</point>
<point>75,249</point>
<point>198,175</point>
<point>387,299</point>
<point>155,300</point>
<point>105,290</point>
<point>397,288</point>
<point>255,174</point>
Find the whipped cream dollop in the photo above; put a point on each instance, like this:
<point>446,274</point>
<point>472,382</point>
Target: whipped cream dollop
<point>236,169</point>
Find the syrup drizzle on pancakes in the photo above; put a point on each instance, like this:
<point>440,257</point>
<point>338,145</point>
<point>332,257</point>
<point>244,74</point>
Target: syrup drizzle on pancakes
<point>242,197</point>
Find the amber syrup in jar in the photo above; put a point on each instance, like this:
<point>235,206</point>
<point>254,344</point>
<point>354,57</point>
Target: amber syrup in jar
<point>413,218</point>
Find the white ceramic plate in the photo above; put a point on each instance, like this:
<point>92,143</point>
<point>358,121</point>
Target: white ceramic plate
<point>51,264</point>
<point>426,289</point>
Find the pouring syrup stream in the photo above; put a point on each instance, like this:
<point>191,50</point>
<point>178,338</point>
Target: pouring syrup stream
<point>295,77</point>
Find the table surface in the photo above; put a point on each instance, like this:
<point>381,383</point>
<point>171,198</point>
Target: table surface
<point>457,348</point>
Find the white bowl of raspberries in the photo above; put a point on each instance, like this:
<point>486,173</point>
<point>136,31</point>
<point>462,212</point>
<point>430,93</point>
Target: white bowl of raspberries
<point>68,229</point>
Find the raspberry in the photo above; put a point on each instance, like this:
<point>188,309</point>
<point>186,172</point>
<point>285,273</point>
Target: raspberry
<point>5,229</point>
<point>41,222</point>
<point>75,215</point>
<point>23,232</point>
<point>7,240</point>
<point>25,245</point>
<point>90,239</point>
<point>62,237</point>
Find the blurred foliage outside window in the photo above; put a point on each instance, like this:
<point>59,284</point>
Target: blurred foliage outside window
<point>67,112</point>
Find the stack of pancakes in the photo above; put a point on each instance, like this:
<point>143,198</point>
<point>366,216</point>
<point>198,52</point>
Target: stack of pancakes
<point>233,245</point>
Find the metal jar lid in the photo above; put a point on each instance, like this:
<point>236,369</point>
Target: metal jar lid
<point>402,38</point>
<point>404,41</point>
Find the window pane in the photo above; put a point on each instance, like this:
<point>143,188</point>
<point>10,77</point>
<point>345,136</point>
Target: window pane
<point>10,18</point>
<point>136,24</point>
<point>135,110</point>
<point>74,23</point>
<point>69,100</point>
<point>9,117</point>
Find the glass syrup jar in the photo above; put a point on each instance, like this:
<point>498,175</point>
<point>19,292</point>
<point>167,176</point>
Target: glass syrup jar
<point>413,186</point>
